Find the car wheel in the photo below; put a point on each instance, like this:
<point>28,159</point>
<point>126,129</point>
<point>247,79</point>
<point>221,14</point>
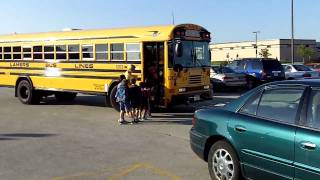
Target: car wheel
<point>223,162</point>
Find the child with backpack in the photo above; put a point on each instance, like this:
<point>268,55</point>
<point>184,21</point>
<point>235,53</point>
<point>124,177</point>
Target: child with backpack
<point>135,99</point>
<point>123,99</point>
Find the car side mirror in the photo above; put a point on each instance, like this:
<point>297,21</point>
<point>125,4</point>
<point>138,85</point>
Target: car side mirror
<point>178,68</point>
<point>179,49</point>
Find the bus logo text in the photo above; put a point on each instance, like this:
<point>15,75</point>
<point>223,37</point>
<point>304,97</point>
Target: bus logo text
<point>19,64</point>
<point>83,66</point>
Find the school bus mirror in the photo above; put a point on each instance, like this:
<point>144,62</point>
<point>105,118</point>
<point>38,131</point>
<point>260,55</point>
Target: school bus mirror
<point>179,49</point>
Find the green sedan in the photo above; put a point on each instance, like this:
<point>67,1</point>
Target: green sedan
<point>271,133</point>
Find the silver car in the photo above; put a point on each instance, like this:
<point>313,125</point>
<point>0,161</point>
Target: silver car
<point>227,77</point>
<point>299,71</point>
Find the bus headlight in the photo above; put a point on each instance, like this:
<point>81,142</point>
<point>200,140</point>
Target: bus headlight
<point>206,87</point>
<point>182,90</point>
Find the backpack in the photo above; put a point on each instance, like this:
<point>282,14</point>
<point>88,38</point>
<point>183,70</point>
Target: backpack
<point>121,93</point>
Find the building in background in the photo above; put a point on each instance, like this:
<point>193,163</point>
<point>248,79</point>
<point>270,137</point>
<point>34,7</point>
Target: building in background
<point>277,48</point>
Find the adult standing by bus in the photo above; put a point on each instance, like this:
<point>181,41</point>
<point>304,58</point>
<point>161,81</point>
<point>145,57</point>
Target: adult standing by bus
<point>130,70</point>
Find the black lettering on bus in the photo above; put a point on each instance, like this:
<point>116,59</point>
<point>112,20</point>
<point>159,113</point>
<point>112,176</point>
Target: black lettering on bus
<point>51,65</point>
<point>83,66</point>
<point>19,64</point>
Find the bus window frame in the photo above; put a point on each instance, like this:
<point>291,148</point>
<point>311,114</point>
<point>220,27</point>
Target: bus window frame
<point>61,52</point>
<point>89,52</point>
<point>1,53</point>
<point>37,53</point>
<point>49,52</point>
<point>7,53</point>
<point>101,52</point>
<point>16,53</point>
<point>135,51</point>
<point>73,52</point>
<point>23,53</point>
<point>123,52</point>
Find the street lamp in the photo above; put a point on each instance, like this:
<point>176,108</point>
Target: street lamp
<point>292,32</point>
<point>256,46</point>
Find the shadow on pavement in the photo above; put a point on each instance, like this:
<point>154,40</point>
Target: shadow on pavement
<point>84,100</point>
<point>161,122</point>
<point>7,139</point>
<point>16,136</point>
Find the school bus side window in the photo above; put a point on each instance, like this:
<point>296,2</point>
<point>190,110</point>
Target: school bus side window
<point>133,52</point>
<point>7,53</point>
<point>48,52</point>
<point>61,52</point>
<point>16,52</point>
<point>37,53</point>
<point>101,52</point>
<point>1,57</point>
<point>26,53</point>
<point>73,52</point>
<point>87,52</point>
<point>117,51</point>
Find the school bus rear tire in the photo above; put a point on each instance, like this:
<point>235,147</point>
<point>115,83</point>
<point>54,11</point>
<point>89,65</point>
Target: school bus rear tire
<point>26,93</point>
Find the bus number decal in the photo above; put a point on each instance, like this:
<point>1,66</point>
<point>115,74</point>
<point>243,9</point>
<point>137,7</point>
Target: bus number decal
<point>98,87</point>
<point>119,67</point>
<point>19,64</point>
<point>83,66</point>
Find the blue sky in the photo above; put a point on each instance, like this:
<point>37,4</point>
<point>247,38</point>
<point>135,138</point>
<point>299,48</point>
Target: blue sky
<point>228,20</point>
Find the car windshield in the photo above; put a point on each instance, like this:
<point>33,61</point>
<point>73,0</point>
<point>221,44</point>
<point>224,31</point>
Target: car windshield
<point>195,54</point>
<point>222,70</point>
<point>301,68</point>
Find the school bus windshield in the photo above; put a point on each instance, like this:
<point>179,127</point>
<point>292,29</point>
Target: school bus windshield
<point>194,54</point>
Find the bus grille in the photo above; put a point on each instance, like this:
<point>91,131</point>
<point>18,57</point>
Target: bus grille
<point>195,79</point>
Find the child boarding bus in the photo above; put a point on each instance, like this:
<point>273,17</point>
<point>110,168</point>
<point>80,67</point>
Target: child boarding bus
<point>174,58</point>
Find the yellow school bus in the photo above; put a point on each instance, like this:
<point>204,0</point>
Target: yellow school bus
<point>175,58</point>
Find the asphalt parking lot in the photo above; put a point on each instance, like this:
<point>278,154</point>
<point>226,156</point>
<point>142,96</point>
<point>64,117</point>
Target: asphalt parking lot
<point>82,140</point>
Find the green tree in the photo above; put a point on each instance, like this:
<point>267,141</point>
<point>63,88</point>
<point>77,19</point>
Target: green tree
<point>265,53</point>
<point>305,52</point>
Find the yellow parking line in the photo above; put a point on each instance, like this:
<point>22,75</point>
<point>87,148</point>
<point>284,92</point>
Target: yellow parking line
<point>124,172</point>
<point>162,172</point>
<point>137,166</point>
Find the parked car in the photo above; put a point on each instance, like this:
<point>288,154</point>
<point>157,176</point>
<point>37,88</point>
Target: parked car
<point>299,71</point>
<point>224,76</point>
<point>314,66</point>
<point>259,70</point>
<point>271,132</point>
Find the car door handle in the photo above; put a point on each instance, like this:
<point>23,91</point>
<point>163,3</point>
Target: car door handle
<point>240,129</point>
<point>309,145</point>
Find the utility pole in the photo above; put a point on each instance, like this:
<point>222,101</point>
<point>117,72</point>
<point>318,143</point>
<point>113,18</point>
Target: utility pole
<point>173,19</point>
<point>292,31</point>
<point>256,45</point>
